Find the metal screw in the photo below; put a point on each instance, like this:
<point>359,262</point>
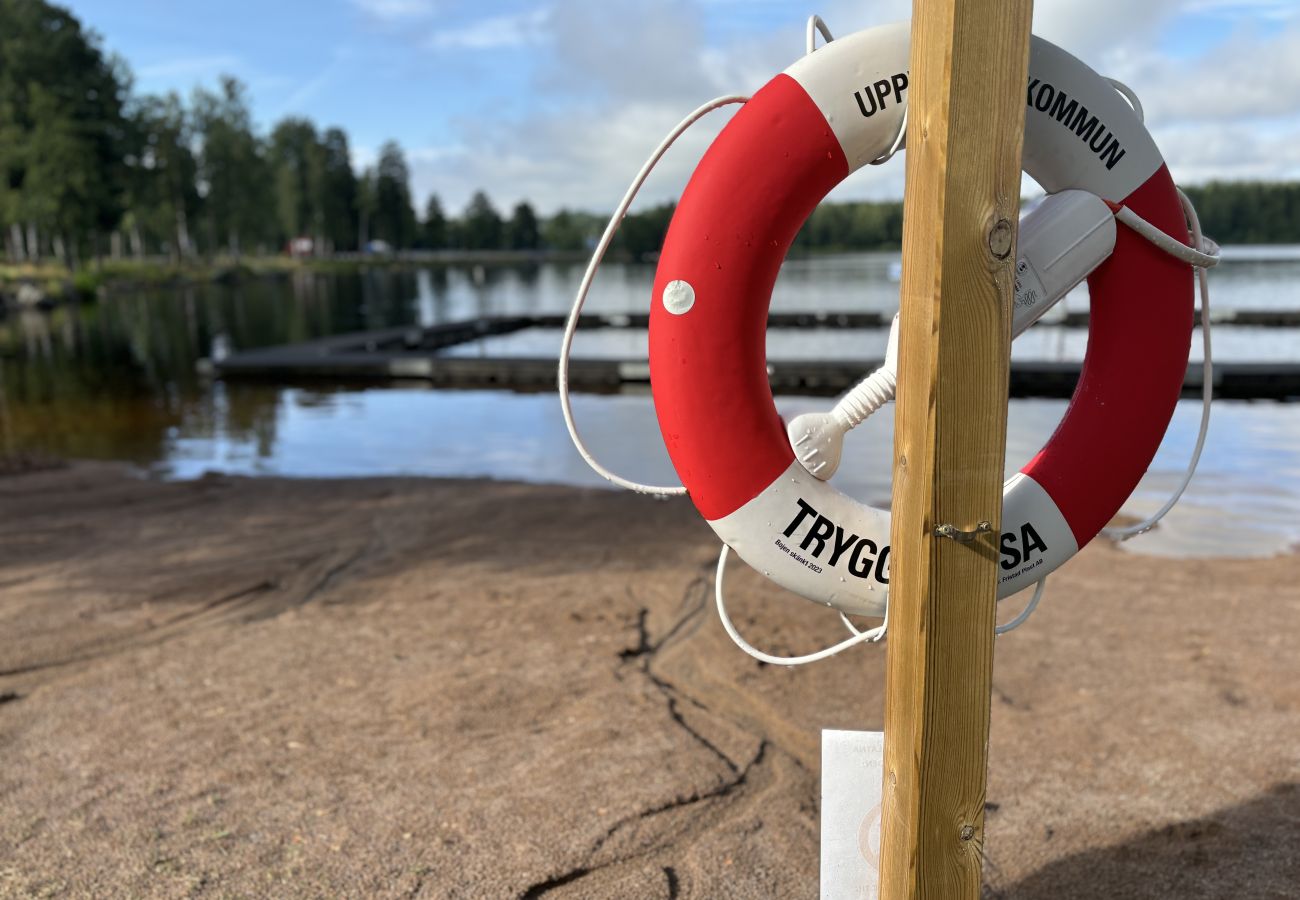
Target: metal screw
<point>1000,239</point>
<point>960,536</point>
<point>967,832</point>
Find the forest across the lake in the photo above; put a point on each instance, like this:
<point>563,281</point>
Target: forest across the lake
<point>92,170</point>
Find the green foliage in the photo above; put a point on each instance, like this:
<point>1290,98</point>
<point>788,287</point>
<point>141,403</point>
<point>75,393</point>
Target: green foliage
<point>1249,212</point>
<point>338,191</point>
<point>61,129</point>
<point>298,167</point>
<point>393,217</point>
<point>642,234</point>
<point>434,232</point>
<point>852,226</point>
<point>365,206</point>
<point>832,226</point>
<point>88,168</point>
<point>571,232</point>
<point>85,284</point>
<point>165,199</point>
<point>522,231</point>
<point>232,168</point>
<point>481,227</point>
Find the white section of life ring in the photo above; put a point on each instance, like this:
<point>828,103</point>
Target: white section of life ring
<point>811,538</point>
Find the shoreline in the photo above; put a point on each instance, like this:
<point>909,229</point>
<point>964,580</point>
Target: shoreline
<point>445,688</point>
<point>45,285</point>
<point>56,283</point>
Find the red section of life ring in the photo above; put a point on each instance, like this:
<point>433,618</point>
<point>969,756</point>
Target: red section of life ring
<point>1139,327</point>
<point>753,189</point>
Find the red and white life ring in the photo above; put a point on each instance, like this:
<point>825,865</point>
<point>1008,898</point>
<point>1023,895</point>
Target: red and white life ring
<point>827,115</point>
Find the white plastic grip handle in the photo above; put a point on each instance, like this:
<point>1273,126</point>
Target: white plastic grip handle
<point>1061,241</point>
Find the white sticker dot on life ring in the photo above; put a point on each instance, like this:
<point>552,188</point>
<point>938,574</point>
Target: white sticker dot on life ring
<point>678,297</point>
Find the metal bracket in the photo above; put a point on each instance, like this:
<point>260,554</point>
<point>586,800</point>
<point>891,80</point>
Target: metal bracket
<point>960,536</point>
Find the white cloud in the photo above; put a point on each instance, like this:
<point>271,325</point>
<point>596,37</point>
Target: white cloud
<point>493,33</point>
<point>1202,152</point>
<point>1086,29</point>
<point>393,11</point>
<point>1244,77</point>
<point>362,156</point>
<point>1100,31</point>
<point>631,53</point>
<point>583,160</point>
<point>306,91</point>
<point>1277,10</point>
<point>616,78</point>
<point>197,67</point>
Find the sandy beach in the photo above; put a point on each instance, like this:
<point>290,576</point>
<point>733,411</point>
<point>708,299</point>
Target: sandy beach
<point>417,688</point>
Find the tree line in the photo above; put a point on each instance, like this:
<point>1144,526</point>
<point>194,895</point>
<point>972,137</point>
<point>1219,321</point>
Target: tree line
<point>1249,212</point>
<point>90,168</point>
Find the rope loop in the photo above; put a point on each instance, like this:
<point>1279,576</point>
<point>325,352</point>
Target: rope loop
<point>815,24</point>
<point>571,325</point>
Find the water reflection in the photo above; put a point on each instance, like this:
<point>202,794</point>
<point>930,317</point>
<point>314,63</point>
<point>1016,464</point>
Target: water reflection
<point>1245,500</point>
<point>118,380</point>
<point>1042,342</point>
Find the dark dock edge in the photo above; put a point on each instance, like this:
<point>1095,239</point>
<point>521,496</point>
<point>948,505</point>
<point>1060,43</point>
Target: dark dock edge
<point>415,353</point>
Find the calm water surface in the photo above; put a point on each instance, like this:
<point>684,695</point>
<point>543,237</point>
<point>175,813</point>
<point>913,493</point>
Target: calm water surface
<point>117,380</point>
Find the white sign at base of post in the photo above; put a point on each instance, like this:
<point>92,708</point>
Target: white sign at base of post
<point>853,764</point>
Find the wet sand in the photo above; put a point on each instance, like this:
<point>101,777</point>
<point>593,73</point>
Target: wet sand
<point>420,688</point>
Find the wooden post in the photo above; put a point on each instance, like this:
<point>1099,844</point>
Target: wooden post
<point>969,67</point>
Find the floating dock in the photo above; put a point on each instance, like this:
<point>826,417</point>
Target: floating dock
<point>419,353</point>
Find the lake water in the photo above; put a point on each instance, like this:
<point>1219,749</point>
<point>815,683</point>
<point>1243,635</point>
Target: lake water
<point>117,380</point>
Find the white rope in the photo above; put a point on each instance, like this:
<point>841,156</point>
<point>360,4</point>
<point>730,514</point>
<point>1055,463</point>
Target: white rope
<point>871,635</point>
<point>1026,612</point>
<point>859,637</point>
<point>571,326</point>
<point>1204,255</point>
<point>1015,623</point>
<point>897,145</point>
<point>1128,94</point>
<point>1201,260</point>
<point>815,24</point>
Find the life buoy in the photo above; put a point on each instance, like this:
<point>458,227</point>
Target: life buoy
<point>827,115</point>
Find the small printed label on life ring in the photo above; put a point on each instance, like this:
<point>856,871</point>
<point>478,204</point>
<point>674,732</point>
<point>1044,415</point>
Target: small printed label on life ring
<point>679,297</point>
<point>1029,287</point>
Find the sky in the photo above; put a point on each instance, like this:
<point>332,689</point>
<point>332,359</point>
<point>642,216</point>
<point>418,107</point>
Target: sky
<point>560,101</point>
